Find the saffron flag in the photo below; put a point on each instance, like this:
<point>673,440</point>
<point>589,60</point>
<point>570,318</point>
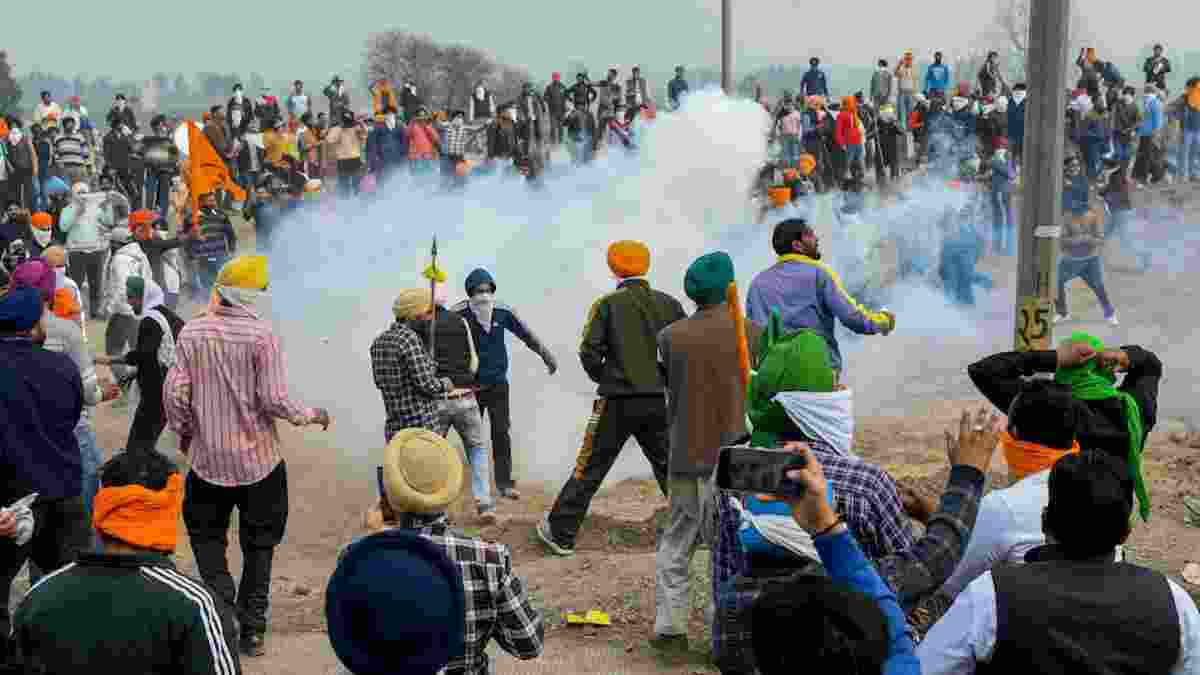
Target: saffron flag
<point>207,171</point>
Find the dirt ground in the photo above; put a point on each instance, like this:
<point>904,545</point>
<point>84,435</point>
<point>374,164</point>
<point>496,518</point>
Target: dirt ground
<point>613,569</point>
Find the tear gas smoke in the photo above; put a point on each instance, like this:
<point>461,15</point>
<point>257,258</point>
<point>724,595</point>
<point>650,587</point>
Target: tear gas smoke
<point>334,277</point>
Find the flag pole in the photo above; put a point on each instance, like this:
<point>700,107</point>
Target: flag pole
<point>433,299</point>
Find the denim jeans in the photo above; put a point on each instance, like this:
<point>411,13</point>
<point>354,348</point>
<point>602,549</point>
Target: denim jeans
<point>1003,228</point>
<point>958,271</point>
<point>1117,226</point>
<point>904,108</point>
<point>158,187</point>
<point>463,415</point>
<point>855,156</point>
<point>1188,148</point>
<point>791,149</point>
<point>1091,270</point>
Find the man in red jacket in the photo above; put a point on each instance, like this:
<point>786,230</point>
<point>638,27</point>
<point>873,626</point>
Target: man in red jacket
<point>849,136</point>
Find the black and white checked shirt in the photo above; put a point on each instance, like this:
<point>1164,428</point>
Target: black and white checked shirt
<point>496,602</point>
<point>406,376</point>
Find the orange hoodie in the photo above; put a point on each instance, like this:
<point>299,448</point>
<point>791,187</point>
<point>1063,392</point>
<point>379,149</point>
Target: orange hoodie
<point>848,131</point>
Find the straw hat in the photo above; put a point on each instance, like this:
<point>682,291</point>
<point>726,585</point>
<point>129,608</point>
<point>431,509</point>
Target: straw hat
<point>422,472</point>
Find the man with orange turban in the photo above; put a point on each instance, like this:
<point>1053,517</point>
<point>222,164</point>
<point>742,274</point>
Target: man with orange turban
<point>169,621</point>
<point>620,354</point>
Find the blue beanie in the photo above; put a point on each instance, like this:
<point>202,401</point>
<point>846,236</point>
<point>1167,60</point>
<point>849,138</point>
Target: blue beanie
<point>395,604</point>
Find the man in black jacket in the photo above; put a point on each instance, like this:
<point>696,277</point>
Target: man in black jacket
<point>1071,608</point>
<point>620,354</point>
<point>1102,425</point>
<point>121,114</point>
<point>556,103</point>
<point>458,361</point>
<point>1157,68</point>
<point>155,618</point>
<point>582,93</point>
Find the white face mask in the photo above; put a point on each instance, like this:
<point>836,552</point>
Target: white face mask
<point>1127,99</point>
<point>120,105</point>
<point>479,91</point>
<point>237,95</point>
<point>1019,96</point>
<point>390,120</point>
<point>482,305</point>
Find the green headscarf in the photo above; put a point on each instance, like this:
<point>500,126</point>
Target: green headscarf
<point>1091,382</point>
<point>794,362</point>
<point>708,278</point>
<point>135,287</point>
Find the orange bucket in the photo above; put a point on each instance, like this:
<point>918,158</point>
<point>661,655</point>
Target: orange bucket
<point>779,195</point>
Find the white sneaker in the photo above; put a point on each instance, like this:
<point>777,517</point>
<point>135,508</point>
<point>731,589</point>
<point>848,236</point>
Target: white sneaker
<point>1060,318</point>
<point>1113,320</point>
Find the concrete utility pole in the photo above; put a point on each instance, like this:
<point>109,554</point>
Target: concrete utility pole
<point>727,47</point>
<point>1042,173</point>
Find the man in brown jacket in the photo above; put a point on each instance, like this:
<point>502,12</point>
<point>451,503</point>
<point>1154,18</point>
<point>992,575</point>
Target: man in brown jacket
<point>705,409</point>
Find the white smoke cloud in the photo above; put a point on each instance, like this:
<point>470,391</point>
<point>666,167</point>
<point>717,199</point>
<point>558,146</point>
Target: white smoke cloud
<point>684,194</point>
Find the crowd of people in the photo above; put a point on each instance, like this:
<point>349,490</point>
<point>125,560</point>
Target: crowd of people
<point>835,580</point>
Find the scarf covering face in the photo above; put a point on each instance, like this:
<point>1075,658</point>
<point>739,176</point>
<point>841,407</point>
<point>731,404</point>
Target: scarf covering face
<point>827,417</point>
<point>482,306</point>
<point>152,299</point>
<point>242,282</point>
<point>139,516</point>
<point>1025,459</point>
<point>1090,382</point>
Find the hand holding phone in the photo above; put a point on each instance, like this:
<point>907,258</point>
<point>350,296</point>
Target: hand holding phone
<point>759,471</point>
<point>814,510</point>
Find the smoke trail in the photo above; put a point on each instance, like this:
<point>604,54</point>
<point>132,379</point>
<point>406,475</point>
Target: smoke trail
<point>685,193</point>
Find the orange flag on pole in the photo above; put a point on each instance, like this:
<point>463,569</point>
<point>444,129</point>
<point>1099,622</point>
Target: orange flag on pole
<point>207,171</point>
<point>739,324</point>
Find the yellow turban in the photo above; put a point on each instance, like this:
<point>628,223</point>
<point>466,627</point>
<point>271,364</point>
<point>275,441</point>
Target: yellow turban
<point>628,258</point>
<point>411,303</point>
<point>247,272</point>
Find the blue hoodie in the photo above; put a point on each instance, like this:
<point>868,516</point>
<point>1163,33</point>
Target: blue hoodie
<point>1152,118</point>
<point>493,351</point>
<point>814,83</point>
<point>937,76</point>
<point>1016,122</point>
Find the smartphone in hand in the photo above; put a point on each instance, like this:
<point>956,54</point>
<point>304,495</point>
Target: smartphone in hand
<point>759,471</point>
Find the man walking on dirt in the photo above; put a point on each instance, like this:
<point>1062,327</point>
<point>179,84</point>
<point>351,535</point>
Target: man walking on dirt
<point>490,321</point>
<point>222,397</point>
<point>620,354</point>
<point>706,408</point>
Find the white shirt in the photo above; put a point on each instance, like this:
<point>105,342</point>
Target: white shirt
<point>1009,525</point>
<point>966,635</point>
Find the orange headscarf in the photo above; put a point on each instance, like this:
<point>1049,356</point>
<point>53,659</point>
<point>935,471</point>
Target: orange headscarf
<point>66,305</point>
<point>1091,55</point>
<point>141,517</point>
<point>1029,458</point>
<point>141,224</point>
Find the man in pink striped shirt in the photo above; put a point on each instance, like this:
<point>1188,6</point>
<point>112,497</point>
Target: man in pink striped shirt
<point>222,397</point>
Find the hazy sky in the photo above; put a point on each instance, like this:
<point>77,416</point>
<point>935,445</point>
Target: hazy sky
<point>135,38</point>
